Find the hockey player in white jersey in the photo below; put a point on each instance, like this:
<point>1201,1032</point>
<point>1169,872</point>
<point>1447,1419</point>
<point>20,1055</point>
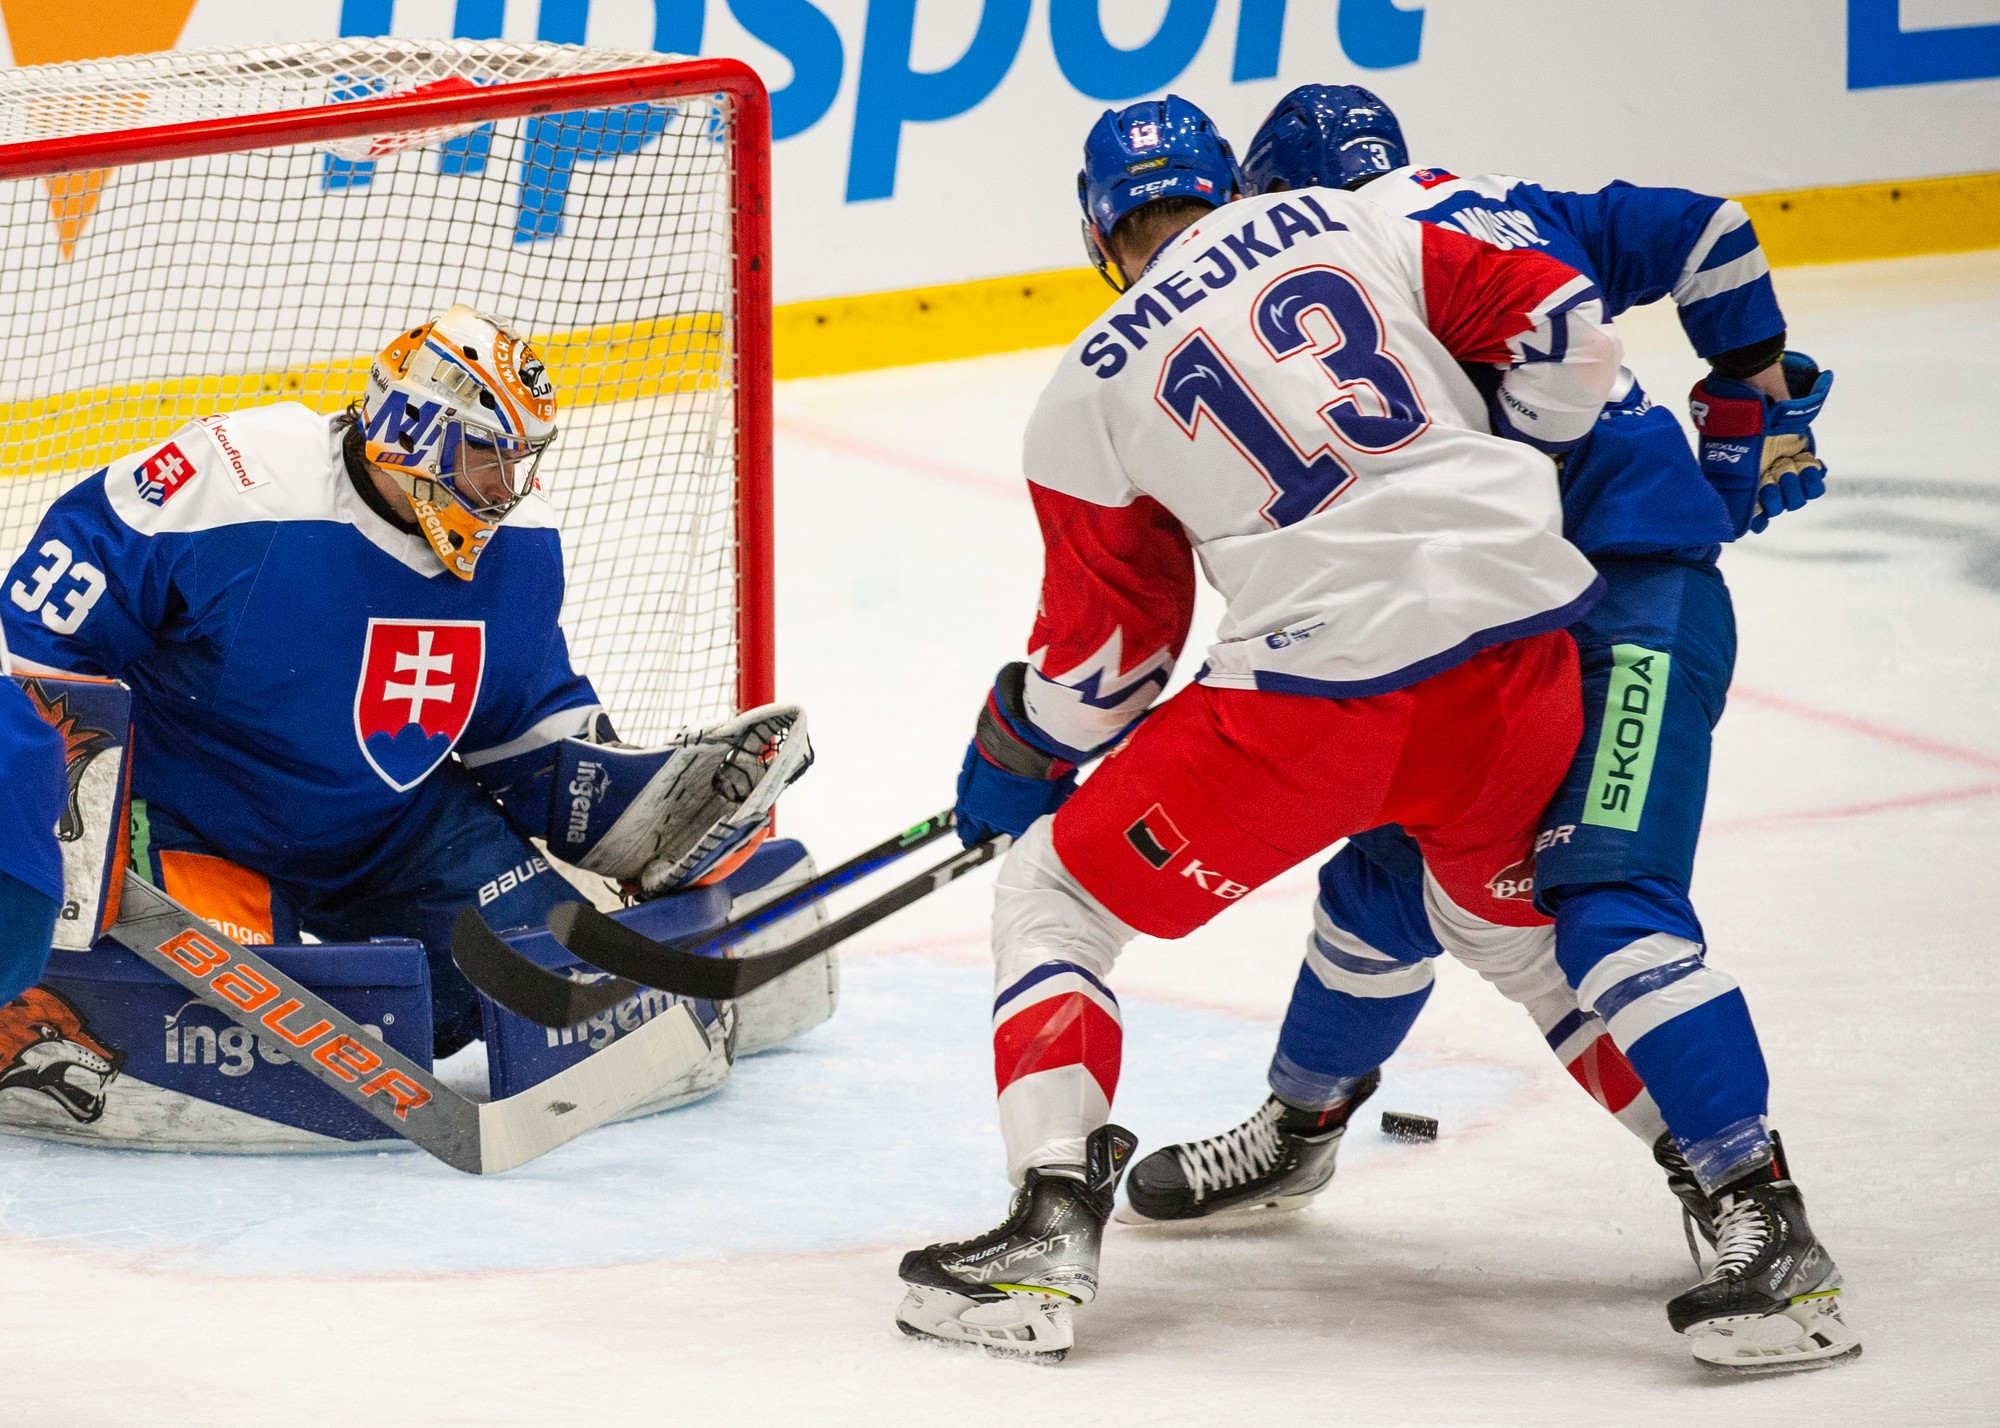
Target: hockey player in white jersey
<point>353,704</point>
<point>1278,391</point>
<point>1645,1022</point>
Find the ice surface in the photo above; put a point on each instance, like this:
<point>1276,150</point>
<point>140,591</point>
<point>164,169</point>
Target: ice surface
<point>734,1262</point>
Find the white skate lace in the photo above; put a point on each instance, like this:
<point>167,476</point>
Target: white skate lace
<point>1235,1157</point>
<point>1741,1232</point>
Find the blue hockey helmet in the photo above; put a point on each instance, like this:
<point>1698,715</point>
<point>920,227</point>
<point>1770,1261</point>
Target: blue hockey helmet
<point>1159,148</point>
<point>1325,136</point>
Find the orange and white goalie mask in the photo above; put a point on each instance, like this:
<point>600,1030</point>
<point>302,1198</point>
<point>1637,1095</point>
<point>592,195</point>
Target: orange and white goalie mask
<point>459,412</point>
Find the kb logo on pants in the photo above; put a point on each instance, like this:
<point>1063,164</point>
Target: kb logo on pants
<point>1155,838</point>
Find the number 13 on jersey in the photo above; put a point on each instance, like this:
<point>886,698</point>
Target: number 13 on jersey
<point>1374,408</point>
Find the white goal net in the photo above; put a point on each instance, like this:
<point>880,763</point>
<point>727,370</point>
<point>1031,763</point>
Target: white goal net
<point>160,265</point>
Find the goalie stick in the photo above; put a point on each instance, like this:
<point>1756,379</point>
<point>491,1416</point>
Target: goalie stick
<point>687,973</point>
<point>553,999</point>
<point>478,1137</point>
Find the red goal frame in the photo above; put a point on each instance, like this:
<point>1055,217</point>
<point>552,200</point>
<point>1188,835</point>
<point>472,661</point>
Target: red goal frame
<point>750,189</point>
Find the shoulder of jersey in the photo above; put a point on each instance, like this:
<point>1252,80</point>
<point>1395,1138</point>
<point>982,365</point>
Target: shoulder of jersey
<point>1218,229</point>
<point>533,513</point>
<point>1413,191</point>
<point>271,463</point>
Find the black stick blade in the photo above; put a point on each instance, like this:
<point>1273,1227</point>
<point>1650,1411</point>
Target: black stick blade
<point>603,942</point>
<point>545,998</point>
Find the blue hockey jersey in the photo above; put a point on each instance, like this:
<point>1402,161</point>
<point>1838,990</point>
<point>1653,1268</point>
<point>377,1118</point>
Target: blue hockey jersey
<point>1633,487</point>
<point>299,665</point>
<point>32,790</point>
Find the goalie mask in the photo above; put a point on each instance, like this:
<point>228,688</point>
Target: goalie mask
<point>459,412</point>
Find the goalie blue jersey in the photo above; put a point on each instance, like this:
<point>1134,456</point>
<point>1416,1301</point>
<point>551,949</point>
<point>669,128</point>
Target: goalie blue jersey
<point>1633,487</point>
<point>299,665</point>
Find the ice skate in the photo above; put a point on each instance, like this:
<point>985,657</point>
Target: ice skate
<point>1277,1160</point>
<point>1697,1211</point>
<point>1010,1291</point>
<point>1771,1301</point>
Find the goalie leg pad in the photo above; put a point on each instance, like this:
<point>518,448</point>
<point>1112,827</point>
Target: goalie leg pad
<point>107,1051</point>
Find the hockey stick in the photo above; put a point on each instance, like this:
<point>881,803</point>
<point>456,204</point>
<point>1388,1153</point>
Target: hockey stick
<point>619,950</point>
<point>479,1137</point>
<point>552,999</point>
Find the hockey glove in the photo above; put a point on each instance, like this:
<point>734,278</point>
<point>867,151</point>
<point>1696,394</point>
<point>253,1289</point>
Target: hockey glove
<point>668,817</point>
<point>1008,780</point>
<point>1759,453</point>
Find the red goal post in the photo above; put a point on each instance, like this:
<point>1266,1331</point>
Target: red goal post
<point>59,422</point>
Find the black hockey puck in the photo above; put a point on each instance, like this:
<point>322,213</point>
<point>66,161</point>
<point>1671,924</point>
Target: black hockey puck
<point>1405,1125</point>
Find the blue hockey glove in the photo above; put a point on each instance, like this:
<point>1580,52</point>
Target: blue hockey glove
<point>1008,780</point>
<point>1759,453</point>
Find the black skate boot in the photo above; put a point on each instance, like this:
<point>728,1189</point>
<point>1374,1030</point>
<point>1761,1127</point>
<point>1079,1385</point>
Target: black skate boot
<point>1010,1290</point>
<point>1771,1301</point>
<point>1277,1160</point>
<point>1697,1211</point>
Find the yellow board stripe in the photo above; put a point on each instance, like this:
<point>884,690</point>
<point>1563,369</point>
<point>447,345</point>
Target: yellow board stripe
<point>936,324</point>
<point>1814,225</point>
<point>614,363</point>
<point>1878,220</point>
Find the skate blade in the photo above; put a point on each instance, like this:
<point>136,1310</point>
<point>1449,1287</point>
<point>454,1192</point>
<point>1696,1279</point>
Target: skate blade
<point>1021,1326</point>
<point>1808,1333</point>
<point>1129,1214</point>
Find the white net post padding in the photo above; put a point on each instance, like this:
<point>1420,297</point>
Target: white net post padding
<point>134,298</point>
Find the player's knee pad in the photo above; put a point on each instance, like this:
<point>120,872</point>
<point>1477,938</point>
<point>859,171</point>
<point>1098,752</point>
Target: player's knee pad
<point>1596,920</point>
<point>1041,913</point>
<point>1345,961</point>
<point>1586,1050</point>
<point>1367,971</point>
<point>1373,890</point>
<point>1519,961</point>
<point>1057,1037</point>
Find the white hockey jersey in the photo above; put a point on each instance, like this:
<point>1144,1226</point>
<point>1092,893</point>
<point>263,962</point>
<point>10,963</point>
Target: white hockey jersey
<point>1282,396</point>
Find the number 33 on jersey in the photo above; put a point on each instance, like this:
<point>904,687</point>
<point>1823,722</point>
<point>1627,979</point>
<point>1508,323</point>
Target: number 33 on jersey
<point>1285,394</point>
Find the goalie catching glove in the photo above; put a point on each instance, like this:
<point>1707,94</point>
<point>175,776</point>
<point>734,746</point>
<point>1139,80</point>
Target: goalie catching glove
<point>678,815</point>
<point>1758,453</point>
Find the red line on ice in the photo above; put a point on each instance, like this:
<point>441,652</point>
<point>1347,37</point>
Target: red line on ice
<point>1902,738</point>
<point>1859,810</point>
<point>889,456</point>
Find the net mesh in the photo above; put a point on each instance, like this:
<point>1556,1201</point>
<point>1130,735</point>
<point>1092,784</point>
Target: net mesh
<point>136,298</point>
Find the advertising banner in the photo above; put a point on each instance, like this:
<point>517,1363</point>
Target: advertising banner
<point>933,141</point>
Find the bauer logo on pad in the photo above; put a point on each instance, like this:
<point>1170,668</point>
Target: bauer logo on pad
<point>162,474</point>
<point>419,682</point>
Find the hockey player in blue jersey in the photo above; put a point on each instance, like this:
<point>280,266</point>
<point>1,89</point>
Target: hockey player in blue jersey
<point>1659,1036</point>
<point>352,702</point>
<point>31,800</point>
